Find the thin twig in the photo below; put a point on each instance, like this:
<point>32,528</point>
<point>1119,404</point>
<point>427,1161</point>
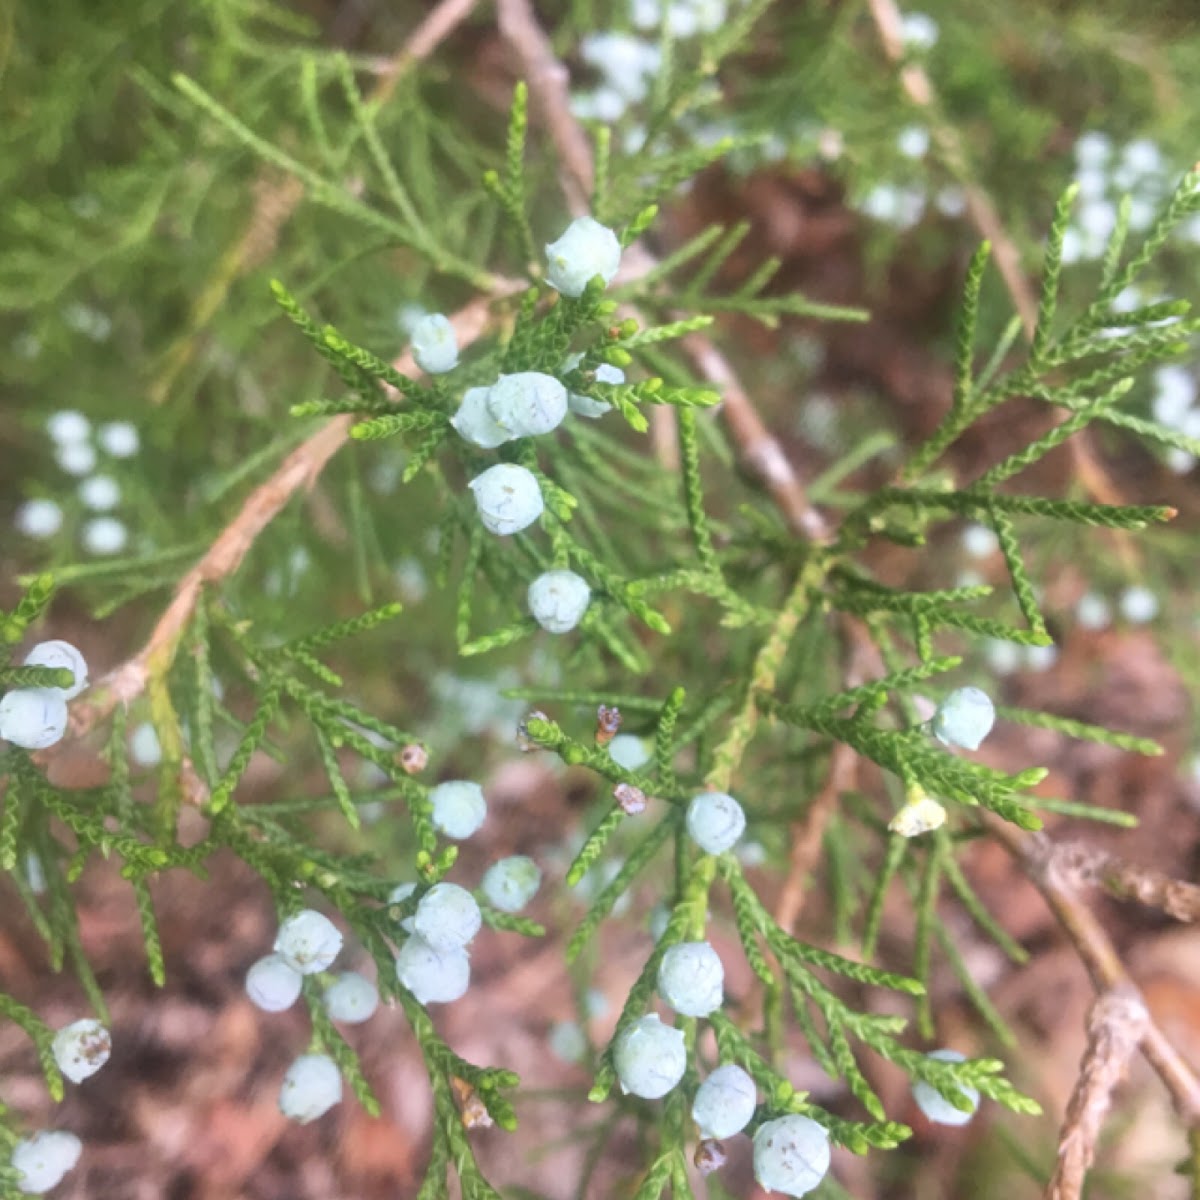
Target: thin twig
<point>859,660</point>
<point>1087,866</point>
<point>983,214</point>
<point>445,18</point>
<point>548,81</point>
<point>808,835</point>
<point>1115,1026</point>
<point>1035,853</point>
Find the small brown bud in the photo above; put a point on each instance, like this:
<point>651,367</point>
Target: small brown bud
<point>414,758</point>
<point>474,1112</point>
<point>608,722</point>
<point>710,1156</point>
<point>631,799</point>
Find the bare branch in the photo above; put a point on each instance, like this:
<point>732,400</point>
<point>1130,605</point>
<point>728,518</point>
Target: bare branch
<point>1036,855</point>
<point>1086,866</point>
<point>1115,1026</point>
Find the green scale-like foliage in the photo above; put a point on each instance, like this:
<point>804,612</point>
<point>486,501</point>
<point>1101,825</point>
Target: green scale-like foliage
<point>720,636</point>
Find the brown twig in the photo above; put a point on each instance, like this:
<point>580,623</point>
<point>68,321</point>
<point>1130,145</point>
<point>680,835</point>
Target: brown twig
<point>548,82</point>
<point>1035,853</point>
<point>983,214</point>
<point>807,835</point>
<point>1115,1026</point>
<point>1086,866</point>
<point>441,22</point>
<point>759,450</point>
<point>860,661</point>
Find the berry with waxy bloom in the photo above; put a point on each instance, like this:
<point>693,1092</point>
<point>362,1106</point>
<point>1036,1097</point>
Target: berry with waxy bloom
<point>508,498</point>
<point>585,250</point>
<point>558,600</point>
<point>511,883</point>
<point>791,1155</point>
<point>100,493</point>
<point>587,406</point>
<point>458,808</point>
<point>934,1105</point>
<point>76,458</point>
<point>62,655</point>
<point>964,718</point>
<point>691,978</point>
<point>568,1041</point>
<point>118,438</point>
<point>476,424</point>
<point>629,751</point>
<point>308,942</point>
<point>715,821</point>
<point>1138,604</point>
<point>724,1102</point>
<point>272,984</point>
<point>66,427</point>
<point>81,1049</point>
<point>528,403</point>
<point>434,344</point>
<point>39,518</point>
<point>33,718</point>
<point>447,917</point>
<point>105,535</point>
<point>433,976</point>
<point>311,1087</point>
<point>351,998</point>
<point>650,1058</point>
<point>42,1161</point>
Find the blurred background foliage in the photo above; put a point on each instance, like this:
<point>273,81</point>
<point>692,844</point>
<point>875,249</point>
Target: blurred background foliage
<point>137,241</point>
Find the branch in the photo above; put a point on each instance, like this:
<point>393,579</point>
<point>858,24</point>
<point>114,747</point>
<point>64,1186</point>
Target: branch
<point>1087,866</point>
<point>1115,1026</point>
<point>548,79</point>
<point>1035,853</point>
<point>421,43</point>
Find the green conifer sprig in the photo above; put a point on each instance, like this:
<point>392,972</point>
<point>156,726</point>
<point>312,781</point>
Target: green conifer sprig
<point>973,991</point>
<point>39,589</point>
<point>1081,730</point>
<point>1015,463</point>
<point>774,655</point>
<point>328,192</point>
<point>42,1037</point>
<point>594,844</point>
<point>635,862</point>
